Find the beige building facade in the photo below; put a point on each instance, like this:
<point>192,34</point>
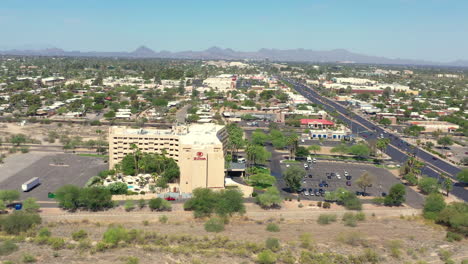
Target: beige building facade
<point>198,149</point>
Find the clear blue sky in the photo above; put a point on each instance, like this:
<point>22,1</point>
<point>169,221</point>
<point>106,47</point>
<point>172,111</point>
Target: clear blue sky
<point>415,29</point>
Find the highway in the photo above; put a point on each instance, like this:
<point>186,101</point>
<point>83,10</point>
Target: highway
<point>398,149</point>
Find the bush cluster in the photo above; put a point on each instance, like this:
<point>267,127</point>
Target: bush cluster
<point>325,219</point>
<point>224,203</point>
<point>159,204</point>
<point>18,222</point>
<point>71,197</point>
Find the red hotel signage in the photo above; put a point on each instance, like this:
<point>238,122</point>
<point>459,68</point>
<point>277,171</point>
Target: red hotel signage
<point>199,156</point>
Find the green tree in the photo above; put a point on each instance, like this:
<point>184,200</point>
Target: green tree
<point>342,149</point>
<point>270,198</point>
<point>396,195</point>
<point>229,202</point>
<point>262,180</point>
<point>428,185</point>
<point>302,152</point>
<point>259,137</point>
<point>360,150</point>
<point>257,154</point>
<point>293,177</point>
<point>9,196</point>
<point>447,185</point>
<point>433,205</point>
<point>385,121</point>
<point>445,141</point>
<point>382,144</point>
<point>118,188</point>
<point>462,176</point>
<point>95,198</point>
<point>202,203</point>
<point>67,197</point>
<point>366,180</point>
<point>159,204</point>
<point>109,115</point>
<point>18,139</point>
<point>315,148</point>
<point>30,205</point>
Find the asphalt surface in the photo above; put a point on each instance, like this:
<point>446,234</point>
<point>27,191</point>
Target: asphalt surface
<point>383,180</point>
<point>398,149</point>
<point>54,171</point>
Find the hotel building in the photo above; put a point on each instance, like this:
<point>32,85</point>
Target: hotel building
<point>198,149</point>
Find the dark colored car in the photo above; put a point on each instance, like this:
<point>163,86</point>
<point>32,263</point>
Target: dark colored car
<point>384,194</point>
<point>348,177</point>
<point>310,175</point>
<point>348,183</point>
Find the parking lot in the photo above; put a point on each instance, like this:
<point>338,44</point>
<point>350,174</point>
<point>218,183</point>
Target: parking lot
<point>321,171</point>
<point>54,171</point>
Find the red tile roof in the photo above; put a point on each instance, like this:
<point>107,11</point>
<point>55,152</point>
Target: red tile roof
<point>316,121</point>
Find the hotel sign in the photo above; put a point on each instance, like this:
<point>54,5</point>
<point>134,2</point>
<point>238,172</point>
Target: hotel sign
<point>199,156</point>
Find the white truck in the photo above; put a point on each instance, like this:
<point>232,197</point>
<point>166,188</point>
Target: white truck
<point>30,184</point>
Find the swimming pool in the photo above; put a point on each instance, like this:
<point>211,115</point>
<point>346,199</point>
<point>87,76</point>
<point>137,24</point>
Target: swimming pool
<point>130,187</point>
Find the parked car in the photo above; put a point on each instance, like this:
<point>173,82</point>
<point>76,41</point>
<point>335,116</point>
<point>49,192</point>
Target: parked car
<point>306,193</point>
<point>306,166</point>
<point>346,173</point>
<point>338,176</point>
<point>310,175</point>
<point>348,177</point>
<point>311,191</point>
<point>348,183</point>
<point>169,198</point>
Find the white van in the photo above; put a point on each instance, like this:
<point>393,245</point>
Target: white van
<point>309,159</point>
<point>241,160</point>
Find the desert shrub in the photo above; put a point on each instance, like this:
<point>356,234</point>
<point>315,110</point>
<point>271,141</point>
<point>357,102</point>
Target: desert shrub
<point>445,255</point>
<point>319,203</point>
<point>115,234</point>
<point>145,222</point>
<point>451,236</point>
<point>214,224</point>
<point>132,260</point>
<point>454,216</point>
<point>101,246</point>
<point>395,248</point>
<point>325,219</point>
<point>272,227</point>
<point>360,216</point>
<point>352,238</point>
<point>378,200</point>
<point>326,205</point>
<point>349,219</point>
<point>266,257</point>
<point>19,222</point>
<point>141,203</point>
<point>27,258</point>
<point>272,244</point>
<point>163,219</point>
<point>370,256</point>
<point>56,243</point>
<point>7,247</point>
<point>44,232</point>
<point>78,235</point>
<point>159,204</point>
<point>129,205</point>
<point>433,205</point>
<point>306,240</point>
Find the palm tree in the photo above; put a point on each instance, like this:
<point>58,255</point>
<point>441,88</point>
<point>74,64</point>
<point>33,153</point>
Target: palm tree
<point>292,140</point>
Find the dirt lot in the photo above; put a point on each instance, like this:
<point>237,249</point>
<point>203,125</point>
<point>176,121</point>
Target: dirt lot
<point>394,239</point>
<point>41,131</point>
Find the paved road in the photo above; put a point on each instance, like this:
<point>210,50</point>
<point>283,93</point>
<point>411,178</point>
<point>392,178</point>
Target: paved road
<point>398,149</point>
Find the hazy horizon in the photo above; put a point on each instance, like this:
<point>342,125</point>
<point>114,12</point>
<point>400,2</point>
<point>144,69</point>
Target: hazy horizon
<point>431,30</point>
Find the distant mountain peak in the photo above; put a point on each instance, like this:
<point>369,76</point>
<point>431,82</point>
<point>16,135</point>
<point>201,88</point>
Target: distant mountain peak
<point>143,51</point>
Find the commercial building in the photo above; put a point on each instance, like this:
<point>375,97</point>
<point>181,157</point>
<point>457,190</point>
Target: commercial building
<point>432,126</point>
<point>317,123</point>
<point>197,149</point>
<point>223,82</point>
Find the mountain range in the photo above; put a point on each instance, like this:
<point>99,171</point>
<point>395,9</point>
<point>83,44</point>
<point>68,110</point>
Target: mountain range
<point>293,55</point>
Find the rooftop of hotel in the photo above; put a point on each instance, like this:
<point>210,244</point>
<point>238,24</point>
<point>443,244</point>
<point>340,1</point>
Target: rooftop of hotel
<point>194,134</point>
